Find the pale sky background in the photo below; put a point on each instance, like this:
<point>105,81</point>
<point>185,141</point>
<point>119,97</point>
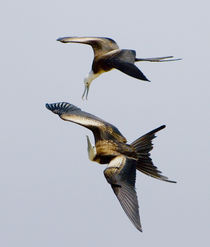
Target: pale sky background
<point>50,193</point>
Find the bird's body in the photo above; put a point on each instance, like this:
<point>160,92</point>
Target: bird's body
<point>108,56</point>
<point>111,148</point>
<point>106,150</point>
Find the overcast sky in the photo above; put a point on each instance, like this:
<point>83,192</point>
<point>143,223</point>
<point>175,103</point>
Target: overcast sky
<point>51,194</point>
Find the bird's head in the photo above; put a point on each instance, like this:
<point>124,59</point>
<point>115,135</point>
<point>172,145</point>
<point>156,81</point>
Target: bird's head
<point>87,81</point>
<point>91,150</point>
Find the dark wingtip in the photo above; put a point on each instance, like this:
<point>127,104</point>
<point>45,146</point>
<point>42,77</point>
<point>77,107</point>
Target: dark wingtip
<point>61,39</point>
<point>171,181</point>
<point>48,106</point>
<point>153,132</point>
<point>161,127</point>
<point>58,108</point>
<point>139,228</point>
<point>61,107</point>
<point>157,129</point>
<point>143,78</point>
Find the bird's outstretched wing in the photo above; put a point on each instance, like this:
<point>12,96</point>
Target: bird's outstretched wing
<point>100,128</point>
<point>121,174</point>
<point>124,61</point>
<point>100,45</point>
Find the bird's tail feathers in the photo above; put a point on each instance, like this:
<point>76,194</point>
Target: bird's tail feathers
<point>143,146</point>
<point>157,59</point>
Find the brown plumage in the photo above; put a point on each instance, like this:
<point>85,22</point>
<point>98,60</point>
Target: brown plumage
<point>108,56</point>
<point>123,159</point>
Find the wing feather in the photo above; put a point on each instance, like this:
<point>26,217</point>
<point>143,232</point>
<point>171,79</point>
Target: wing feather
<point>121,174</point>
<point>100,128</point>
<point>128,199</point>
<point>100,45</point>
<point>127,68</point>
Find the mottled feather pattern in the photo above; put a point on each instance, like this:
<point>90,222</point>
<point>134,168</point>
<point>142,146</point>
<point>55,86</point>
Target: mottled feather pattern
<point>114,132</point>
<point>107,147</point>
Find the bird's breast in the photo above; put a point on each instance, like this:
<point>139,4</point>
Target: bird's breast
<point>106,150</point>
<point>101,159</point>
<point>100,65</point>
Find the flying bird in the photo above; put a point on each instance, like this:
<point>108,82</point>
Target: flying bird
<point>108,56</point>
<point>123,159</point>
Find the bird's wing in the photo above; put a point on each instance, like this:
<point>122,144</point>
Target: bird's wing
<point>100,128</point>
<point>125,55</point>
<point>124,61</point>
<point>121,174</point>
<point>100,45</point>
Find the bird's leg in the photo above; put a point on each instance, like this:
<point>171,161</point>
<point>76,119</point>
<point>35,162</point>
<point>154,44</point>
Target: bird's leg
<point>158,59</point>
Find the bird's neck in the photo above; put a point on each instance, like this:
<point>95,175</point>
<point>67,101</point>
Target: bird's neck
<point>90,77</point>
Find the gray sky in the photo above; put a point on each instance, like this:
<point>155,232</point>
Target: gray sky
<point>51,194</point>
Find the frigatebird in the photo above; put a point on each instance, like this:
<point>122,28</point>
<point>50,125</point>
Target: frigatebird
<point>111,148</point>
<point>108,56</point>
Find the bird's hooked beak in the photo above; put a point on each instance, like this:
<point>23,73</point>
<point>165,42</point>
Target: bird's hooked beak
<point>87,81</point>
<point>89,143</point>
<point>86,90</point>
<point>91,149</point>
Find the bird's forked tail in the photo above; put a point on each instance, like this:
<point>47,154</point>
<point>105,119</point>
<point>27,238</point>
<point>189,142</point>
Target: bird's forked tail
<point>143,146</point>
<point>158,59</point>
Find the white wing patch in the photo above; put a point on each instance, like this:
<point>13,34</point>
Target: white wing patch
<point>81,120</point>
<point>117,161</point>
